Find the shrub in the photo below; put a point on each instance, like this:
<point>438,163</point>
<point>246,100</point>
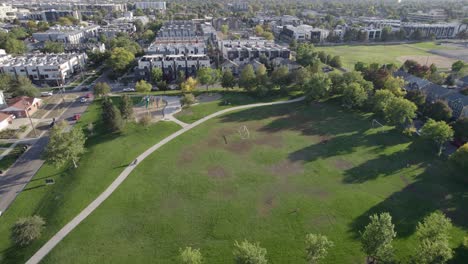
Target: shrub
<point>460,157</point>
<point>27,230</point>
<point>249,253</point>
<point>145,120</point>
<point>190,256</point>
<point>187,100</point>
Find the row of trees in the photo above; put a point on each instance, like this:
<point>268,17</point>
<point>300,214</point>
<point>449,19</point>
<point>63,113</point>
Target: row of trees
<point>433,235</point>
<point>245,252</point>
<point>19,86</point>
<point>307,55</point>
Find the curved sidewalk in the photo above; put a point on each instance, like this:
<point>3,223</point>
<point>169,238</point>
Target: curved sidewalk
<point>47,247</point>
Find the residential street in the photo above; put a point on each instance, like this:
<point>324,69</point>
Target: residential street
<point>20,173</point>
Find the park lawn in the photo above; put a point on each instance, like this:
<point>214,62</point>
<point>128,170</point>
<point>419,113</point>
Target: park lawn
<point>381,54</point>
<point>304,169</point>
<point>229,99</point>
<point>11,158</point>
<point>106,156</point>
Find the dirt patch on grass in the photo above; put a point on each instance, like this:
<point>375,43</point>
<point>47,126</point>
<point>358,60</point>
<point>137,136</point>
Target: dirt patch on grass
<point>287,168</point>
<point>266,205</point>
<point>439,61</point>
<point>272,140</point>
<point>323,221</point>
<point>404,180</point>
<point>240,146</point>
<point>186,156</point>
<point>217,172</point>
<point>342,164</point>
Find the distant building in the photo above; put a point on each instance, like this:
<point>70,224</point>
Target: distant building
<point>161,6</point>
<point>181,28</point>
<point>7,12</point>
<point>172,65</point>
<point>435,15</point>
<point>240,6</point>
<point>67,34</point>
<point>242,52</point>
<point>304,33</point>
<point>440,30</point>
<point>455,100</point>
<point>177,48</point>
<point>53,69</point>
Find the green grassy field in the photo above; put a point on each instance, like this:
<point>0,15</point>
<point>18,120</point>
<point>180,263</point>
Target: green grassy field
<point>228,99</point>
<point>379,53</point>
<point>107,155</point>
<point>305,169</point>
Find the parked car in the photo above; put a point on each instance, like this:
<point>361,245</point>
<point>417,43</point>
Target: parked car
<point>76,117</point>
<point>46,94</point>
<point>83,100</point>
<point>128,90</point>
<point>89,95</point>
<point>84,88</point>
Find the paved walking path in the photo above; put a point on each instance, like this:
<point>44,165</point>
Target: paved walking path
<point>47,247</point>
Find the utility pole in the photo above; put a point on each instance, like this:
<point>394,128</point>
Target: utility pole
<point>27,104</point>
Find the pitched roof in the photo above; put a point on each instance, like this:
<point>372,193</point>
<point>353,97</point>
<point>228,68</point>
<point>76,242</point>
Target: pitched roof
<point>21,102</point>
<point>3,117</point>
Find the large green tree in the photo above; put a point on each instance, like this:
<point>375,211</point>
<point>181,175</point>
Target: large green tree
<point>377,238</point>
<point>400,112</point>
<point>126,107</point>
<point>228,80</point>
<point>26,230</point>
<point>65,145</point>
<point>381,99</point>
<point>111,117</point>
<point>101,89</point>
<point>120,59</point>
<point>247,78</point>
<point>156,75</point>
<point>354,95</point>
<point>433,235</point>
<point>249,253</point>
<point>317,247</point>
<point>437,131</point>
<point>318,87</point>
<point>439,110</point>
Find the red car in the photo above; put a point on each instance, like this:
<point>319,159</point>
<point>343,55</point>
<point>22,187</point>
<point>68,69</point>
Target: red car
<point>88,95</point>
<point>76,117</point>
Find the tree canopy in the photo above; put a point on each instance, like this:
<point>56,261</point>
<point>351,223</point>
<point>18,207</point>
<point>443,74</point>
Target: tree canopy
<point>65,146</point>
<point>378,236</point>
<point>437,131</point>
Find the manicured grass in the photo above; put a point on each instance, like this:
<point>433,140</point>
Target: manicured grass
<point>9,159</point>
<point>107,155</point>
<point>379,53</point>
<point>229,99</point>
<point>305,169</point>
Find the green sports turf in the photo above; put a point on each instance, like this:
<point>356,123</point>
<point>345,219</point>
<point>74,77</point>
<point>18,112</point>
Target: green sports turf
<point>379,53</point>
<point>304,169</point>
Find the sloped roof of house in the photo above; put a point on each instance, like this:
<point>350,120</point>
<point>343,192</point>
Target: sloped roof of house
<point>4,117</point>
<point>20,103</point>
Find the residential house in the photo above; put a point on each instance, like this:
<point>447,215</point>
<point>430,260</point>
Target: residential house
<point>22,106</point>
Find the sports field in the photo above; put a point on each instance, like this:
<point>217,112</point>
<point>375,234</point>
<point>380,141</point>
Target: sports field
<point>301,169</point>
<point>390,54</point>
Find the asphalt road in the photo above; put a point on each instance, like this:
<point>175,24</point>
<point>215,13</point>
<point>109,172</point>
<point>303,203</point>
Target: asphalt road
<point>20,173</point>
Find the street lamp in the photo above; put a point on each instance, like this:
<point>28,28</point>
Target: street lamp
<point>27,104</point>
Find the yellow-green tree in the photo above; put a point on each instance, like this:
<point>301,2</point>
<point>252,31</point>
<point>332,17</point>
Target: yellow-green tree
<point>189,85</point>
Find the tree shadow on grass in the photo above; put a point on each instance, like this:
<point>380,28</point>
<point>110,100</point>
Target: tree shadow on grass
<point>436,188</point>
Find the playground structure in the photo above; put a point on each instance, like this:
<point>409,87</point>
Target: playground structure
<point>150,105</point>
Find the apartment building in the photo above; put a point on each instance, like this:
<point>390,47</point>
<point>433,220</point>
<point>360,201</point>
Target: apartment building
<point>178,29</point>
<point>304,33</point>
<point>434,15</point>
<point>440,30</point>
<point>67,34</point>
<point>172,65</point>
<point>161,6</point>
<point>7,12</point>
<point>177,48</point>
<point>244,51</point>
<point>53,69</point>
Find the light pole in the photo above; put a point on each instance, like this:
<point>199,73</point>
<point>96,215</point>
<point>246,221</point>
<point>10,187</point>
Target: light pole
<point>27,104</point>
